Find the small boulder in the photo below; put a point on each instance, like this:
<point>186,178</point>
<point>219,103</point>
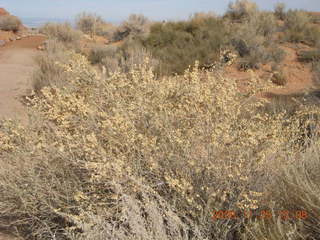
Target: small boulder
<point>2,43</point>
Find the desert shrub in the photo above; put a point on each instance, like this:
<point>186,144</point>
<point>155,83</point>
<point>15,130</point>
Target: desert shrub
<point>279,11</point>
<point>134,26</point>
<point>98,53</point>
<point>252,39</point>
<point>316,72</point>
<point>277,54</point>
<point>279,78</point>
<point>296,189</point>
<point>132,55</point>
<point>241,8</point>
<point>315,17</point>
<point>128,56</point>
<point>178,44</point>
<point>9,23</point>
<point>134,156</point>
<point>92,24</point>
<point>298,28</point>
<point>48,72</point>
<point>61,32</point>
<point>309,56</point>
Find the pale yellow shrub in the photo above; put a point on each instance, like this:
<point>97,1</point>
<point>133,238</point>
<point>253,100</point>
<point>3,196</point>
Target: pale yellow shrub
<point>185,144</point>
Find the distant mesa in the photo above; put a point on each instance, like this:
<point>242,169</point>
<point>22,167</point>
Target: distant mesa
<point>3,12</point>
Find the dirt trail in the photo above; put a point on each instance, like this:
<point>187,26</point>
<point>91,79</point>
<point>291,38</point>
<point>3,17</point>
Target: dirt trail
<point>16,66</point>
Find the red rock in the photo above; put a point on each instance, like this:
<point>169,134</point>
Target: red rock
<point>3,12</point>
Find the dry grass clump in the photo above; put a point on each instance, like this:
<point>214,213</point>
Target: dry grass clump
<point>10,23</point>
<point>49,72</point>
<point>295,189</point>
<point>241,9</point>
<point>61,32</point>
<point>132,156</point>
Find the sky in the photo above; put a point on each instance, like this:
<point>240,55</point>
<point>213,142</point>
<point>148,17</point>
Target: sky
<point>118,10</point>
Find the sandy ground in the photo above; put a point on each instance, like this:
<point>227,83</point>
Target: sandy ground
<point>16,67</point>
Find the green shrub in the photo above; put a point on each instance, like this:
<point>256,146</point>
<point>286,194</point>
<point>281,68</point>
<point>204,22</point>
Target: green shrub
<point>179,44</point>
<point>9,23</point>
<point>61,32</point>
<point>241,8</point>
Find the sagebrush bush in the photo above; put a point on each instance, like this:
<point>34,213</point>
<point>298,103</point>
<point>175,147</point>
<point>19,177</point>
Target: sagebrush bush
<point>61,32</point>
<point>316,72</point>
<point>178,44</point>
<point>49,72</point>
<point>134,26</point>
<point>98,53</point>
<point>92,24</point>
<point>241,8</point>
<point>279,11</point>
<point>125,58</point>
<point>298,28</point>
<point>133,156</point>
<point>253,40</point>
<point>10,23</point>
<point>309,56</point>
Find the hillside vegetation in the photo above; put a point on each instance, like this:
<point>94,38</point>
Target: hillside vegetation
<point>147,139</point>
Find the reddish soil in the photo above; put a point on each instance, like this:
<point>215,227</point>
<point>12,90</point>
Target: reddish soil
<point>16,67</point>
<point>299,75</point>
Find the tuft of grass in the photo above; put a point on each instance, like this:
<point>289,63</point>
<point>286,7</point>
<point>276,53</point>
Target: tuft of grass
<point>10,23</point>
